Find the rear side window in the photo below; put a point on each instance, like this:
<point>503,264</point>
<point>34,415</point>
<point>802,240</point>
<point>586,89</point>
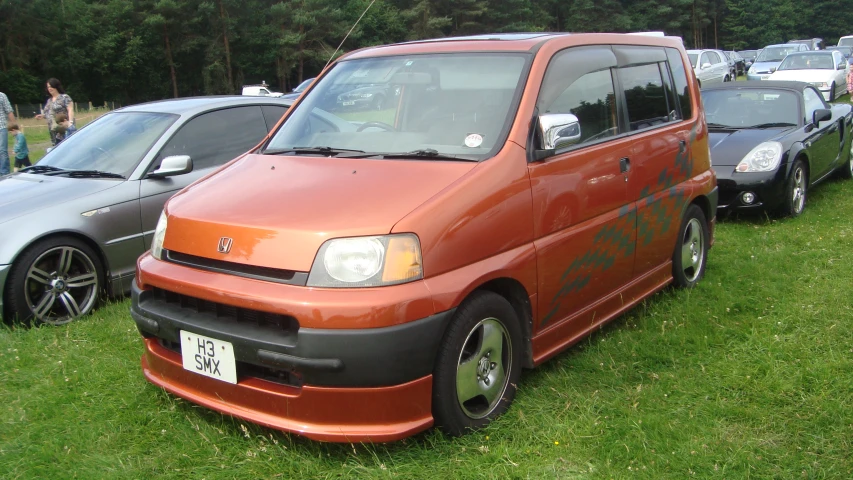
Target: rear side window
<point>213,138</point>
<point>679,77</point>
<point>645,96</point>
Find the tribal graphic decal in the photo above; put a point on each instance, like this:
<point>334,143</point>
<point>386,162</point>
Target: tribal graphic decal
<point>653,216</point>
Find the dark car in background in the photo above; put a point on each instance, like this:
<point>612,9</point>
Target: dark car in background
<point>74,224</point>
<point>739,62</point>
<point>772,141</point>
<point>748,57</point>
<point>373,97</point>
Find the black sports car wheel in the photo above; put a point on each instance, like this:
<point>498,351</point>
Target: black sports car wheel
<point>796,191</point>
<point>691,250</point>
<point>478,364</point>
<point>54,281</point>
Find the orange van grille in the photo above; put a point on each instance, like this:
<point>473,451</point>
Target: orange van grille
<point>221,310</point>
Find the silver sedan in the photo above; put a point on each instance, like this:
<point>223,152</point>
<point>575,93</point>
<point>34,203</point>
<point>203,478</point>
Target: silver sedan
<point>73,225</point>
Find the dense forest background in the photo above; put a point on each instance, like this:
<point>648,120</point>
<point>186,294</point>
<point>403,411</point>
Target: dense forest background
<point>136,50</point>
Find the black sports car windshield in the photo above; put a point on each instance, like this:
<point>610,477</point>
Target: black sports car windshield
<point>750,108</point>
<point>808,61</point>
<point>430,107</point>
<point>114,143</point>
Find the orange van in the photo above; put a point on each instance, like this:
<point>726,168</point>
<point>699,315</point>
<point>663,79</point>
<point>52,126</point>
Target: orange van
<point>426,221</point>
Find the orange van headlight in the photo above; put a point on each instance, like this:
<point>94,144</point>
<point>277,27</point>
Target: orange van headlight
<point>367,261</point>
<point>159,236</point>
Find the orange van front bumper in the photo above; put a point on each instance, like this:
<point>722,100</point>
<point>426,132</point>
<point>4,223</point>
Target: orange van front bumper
<point>377,414</point>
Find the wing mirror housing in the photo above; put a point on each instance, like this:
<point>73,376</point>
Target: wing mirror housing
<point>704,66</point>
<point>556,131</point>
<point>173,165</point>
<point>820,115</point>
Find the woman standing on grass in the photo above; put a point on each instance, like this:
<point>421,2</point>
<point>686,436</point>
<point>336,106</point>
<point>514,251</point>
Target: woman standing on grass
<point>58,102</point>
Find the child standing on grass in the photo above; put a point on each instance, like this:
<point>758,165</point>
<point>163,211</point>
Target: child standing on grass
<point>22,153</point>
<point>64,126</point>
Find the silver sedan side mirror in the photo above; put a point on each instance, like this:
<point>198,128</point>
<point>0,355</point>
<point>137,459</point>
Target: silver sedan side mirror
<point>173,165</point>
<point>559,130</point>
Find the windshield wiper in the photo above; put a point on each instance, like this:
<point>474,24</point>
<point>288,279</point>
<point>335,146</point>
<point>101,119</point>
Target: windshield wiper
<point>88,173</point>
<point>771,125</point>
<point>720,125</point>
<point>323,150</point>
<point>40,169</point>
<point>425,153</point>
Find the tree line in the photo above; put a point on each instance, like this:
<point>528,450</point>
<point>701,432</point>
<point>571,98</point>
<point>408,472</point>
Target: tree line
<point>137,50</point>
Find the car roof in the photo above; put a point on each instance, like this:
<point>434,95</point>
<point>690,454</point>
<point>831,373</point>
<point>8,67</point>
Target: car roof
<point>784,45</point>
<point>812,52</point>
<point>506,42</point>
<point>195,105</point>
<point>763,84</point>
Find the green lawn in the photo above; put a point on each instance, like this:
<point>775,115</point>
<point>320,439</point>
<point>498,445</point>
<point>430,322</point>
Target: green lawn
<point>748,375</point>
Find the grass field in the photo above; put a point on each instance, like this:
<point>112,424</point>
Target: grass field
<point>37,136</point>
<point>749,375</point>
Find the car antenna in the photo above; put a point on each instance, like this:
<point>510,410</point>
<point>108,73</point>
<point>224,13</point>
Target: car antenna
<point>347,35</point>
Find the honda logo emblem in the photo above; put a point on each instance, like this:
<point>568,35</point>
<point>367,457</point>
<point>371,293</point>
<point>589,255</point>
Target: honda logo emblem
<point>224,245</point>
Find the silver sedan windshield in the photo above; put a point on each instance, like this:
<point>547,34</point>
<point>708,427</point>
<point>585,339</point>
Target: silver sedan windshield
<point>114,143</point>
<point>456,104</point>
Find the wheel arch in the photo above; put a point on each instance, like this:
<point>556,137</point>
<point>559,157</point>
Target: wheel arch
<point>515,293</point>
<point>78,236</point>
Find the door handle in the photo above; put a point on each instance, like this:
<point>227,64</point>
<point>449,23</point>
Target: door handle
<point>624,164</point>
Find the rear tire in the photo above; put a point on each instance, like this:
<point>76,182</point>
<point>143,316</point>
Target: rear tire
<point>796,191</point>
<point>478,364</point>
<point>691,250</point>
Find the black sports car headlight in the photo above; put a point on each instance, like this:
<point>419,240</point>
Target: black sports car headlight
<point>763,158</point>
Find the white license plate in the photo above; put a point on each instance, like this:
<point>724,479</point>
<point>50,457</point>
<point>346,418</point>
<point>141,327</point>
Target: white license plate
<point>208,356</point>
<point>346,104</point>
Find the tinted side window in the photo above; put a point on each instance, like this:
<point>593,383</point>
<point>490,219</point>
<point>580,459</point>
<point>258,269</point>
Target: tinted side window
<point>813,101</point>
<point>644,95</point>
<point>216,137</point>
<point>705,58</point>
<point>679,76</point>
<point>715,59</point>
<point>579,81</point>
<point>272,114</point>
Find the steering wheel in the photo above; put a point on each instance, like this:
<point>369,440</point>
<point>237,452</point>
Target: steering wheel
<point>382,125</point>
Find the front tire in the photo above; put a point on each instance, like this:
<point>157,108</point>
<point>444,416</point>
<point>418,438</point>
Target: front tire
<point>691,251</point>
<point>846,171</point>
<point>832,92</point>
<point>478,364</point>
<point>54,281</point>
<point>726,79</point>
<point>796,191</point>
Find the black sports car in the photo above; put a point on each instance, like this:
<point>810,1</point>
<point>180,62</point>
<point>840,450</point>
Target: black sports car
<point>772,141</point>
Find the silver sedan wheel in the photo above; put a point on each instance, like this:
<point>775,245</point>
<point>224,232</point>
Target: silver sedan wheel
<point>692,250</point>
<point>483,369</point>
<point>61,285</point>
<point>799,191</point>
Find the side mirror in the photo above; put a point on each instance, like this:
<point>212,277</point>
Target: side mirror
<point>820,115</point>
<point>174,165</point>
<point>772,69</point>
<point>840,66</point>
<point>704,66</point>
<point>556,131</point>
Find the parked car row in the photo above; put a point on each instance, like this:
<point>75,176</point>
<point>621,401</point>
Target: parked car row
<point>416,252</point>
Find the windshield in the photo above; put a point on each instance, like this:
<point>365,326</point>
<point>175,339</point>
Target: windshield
<point>846,42</point>
<point>774,54</point>
<point>693,58</point>
<point>748,54</point>
<point>802,61</point>
<point>114,143</point>
<point>457,104</point>
<point>750,108</point>
<point>303,85</point>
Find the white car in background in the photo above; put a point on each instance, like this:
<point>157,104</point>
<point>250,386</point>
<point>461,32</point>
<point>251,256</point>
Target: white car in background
<point>710,66</point>
<point>825,69</point>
